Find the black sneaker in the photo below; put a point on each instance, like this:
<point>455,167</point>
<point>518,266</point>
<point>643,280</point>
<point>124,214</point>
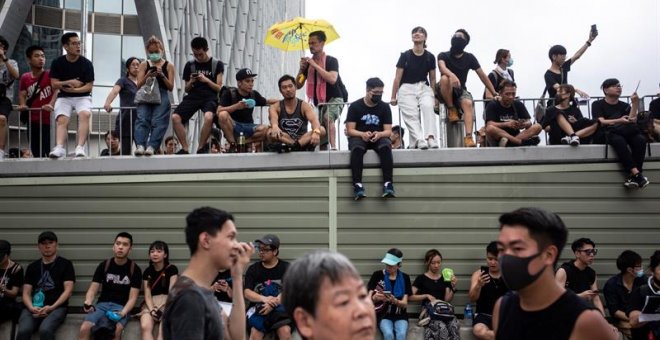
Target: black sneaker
<point>388,191</point>
<point>532,141</point>
<point>358,192</point>
<point>641,181</point>
<point>204,149</point>
<point>182,152</point>
<point>630,183</point>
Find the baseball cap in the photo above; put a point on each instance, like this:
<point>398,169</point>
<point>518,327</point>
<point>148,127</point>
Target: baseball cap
<point>269,240</point>
<point>5,248</point>
<point>47,236</point>
<point>244,73</point>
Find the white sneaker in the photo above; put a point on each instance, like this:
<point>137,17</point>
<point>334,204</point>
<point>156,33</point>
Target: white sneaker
<point>2,154</point>
<point>139,150</point>
<point>149,151</point>
<point>422,144</point>
<point>574,141</point>
<point>433,144</point>
<point>566,140</point>
<point>57,152</point>
<point>80,151</point>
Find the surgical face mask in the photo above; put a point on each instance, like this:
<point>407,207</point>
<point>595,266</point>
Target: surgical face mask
<point>376,98</point>
<point>639,273</point>
<point>154,57</point>
<point>515,273</point>
<point>510,63</point>
<point>457,45</point>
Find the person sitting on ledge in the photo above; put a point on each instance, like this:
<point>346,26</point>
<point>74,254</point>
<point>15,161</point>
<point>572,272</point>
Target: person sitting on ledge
<point>507,121</point>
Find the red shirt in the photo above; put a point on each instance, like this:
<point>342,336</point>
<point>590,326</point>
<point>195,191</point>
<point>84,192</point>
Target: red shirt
<point>28,83</point>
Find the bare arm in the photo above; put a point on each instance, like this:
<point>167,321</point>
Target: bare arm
<point>496,315</point>
<point>91,293</point>
<point>582,49</point>
<point>111,96</point>
<point>27,297</point>
<point>592,325</point>
<point>169,81</point>
<point>475,286</point>
<point>13,72</point>
<point>396,84</point>
<point>634,319</point>
<point>66,294</point>
<point>236,323</point>
<point>148,299</point>
<point>142,74</point>
<point>253,296</point>
<point>560,276</point>
<point>273,117</point>
<point>597,302</point>
<point>308,111</point>
<point>132,298</point>
<point>419,297</point>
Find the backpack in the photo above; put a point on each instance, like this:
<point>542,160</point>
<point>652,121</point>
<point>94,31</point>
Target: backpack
<point>214,67</point>
<point>440,310</point>
<point>342,89</point>
<point>233,92</point>
<point>107,266</point>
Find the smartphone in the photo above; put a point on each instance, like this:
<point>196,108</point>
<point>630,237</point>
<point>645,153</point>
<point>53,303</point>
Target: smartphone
<point>637,87</point>
<point>194,75</point>
<point>594,30</point>
<point>387,292</point>
<point>484,269</point>
<point>152,69</point>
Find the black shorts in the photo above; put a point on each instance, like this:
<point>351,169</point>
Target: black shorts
<point>5,106</point>
<point>189,106</point>
<point>357,142</point>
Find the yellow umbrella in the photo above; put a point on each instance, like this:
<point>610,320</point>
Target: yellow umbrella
<point>293,35</point>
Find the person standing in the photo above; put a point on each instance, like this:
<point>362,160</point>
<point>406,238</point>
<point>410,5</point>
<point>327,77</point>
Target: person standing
<point>125,87</point>
<point>411,90</point>
<point>502,71</point>
<point>192,312</point>
<point>324,86</point>
<point>48,286</point>
<point>36,94</point>
<point>369,126</point>
<point>73,75</point>
<point>529,244</point>
<point>153,119</point>
<point>8,73</point>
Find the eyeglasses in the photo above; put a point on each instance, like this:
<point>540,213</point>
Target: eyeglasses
<point>265,250</point>
<point>589,251</point>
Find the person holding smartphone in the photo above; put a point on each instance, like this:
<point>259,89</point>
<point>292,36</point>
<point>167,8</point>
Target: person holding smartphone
<point>158,279</point>
<point>578,276</point>
<point>486,286</point>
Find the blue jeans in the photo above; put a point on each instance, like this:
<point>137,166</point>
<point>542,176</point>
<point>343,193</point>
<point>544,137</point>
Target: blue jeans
<point>393,329</point>
<point>47,326</point>
<point>152,121</point>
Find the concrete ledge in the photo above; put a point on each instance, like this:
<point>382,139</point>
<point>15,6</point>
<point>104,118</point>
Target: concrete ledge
<point>179,164</point>
<point>71,327</point>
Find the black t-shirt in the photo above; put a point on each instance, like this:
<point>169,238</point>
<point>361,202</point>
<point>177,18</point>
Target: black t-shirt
<point>637,301</point>
<point>265,281</point>
<point>377,282</point>
<point>191,313</point>
<point>552,78</point>
<point>369,118</point>
<point>415,68</point>
<point>82,69</point>
<point>490,292</point>
<point>601,108</point>
<point>126,94</point>
<point>426,285</point>
<point>460,66</point>
<point>498,113</point>
<point>10,278</point>
<point>331,91</point>
<point>223,296</point>
<point>117,282</point>
<point>555,322</point>
<point>578,280</point>
<point>617,296</point>
<point>163,276</point>
<point>654,107</point>
<point>50,278</point>
<point>245,115</point>
<point>199,89</point>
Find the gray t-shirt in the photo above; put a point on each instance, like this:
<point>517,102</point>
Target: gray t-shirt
<point>5,77</point>
<point>191,313</point>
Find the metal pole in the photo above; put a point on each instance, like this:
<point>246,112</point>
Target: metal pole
<point>83,26</point>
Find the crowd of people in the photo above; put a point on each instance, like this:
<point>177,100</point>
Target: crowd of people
<point>518,294</point>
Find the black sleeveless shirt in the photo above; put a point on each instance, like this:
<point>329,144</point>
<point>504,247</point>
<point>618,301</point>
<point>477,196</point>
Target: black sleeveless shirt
<point>553,323</point>
<point>490,292</point>
<point>294,124</point>
<point>578,280</point>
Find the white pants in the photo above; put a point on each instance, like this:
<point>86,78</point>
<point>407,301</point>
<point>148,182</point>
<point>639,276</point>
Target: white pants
<point>416,104</point>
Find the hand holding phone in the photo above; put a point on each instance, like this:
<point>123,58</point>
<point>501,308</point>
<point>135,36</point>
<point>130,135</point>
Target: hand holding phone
<point>594,31</point>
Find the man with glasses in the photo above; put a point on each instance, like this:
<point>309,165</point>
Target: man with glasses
<point>618,121</point>
<point>578,276</point>
<point>203,77</point>
<point>263,288</point>
<point>73,75</point>
<point>369,126</point>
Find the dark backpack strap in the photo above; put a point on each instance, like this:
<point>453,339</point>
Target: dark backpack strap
<point>107,266</point>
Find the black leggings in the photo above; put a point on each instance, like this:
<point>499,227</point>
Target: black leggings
<point>629,158</point>
<point>386,161</point>
<point>39,139</point>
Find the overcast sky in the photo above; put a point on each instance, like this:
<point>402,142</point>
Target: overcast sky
<point>374,33</point>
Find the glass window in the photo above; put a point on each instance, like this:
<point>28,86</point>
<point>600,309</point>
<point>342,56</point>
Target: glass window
<point>108,6</point>
<point>73,4</point>
<point>107,59</point>
<point>99,94</point>
<point>132,46</point>
<point>129,7</point>
<point>49,3</point>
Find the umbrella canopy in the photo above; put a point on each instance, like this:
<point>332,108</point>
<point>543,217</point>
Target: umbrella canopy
<point>293,35</point>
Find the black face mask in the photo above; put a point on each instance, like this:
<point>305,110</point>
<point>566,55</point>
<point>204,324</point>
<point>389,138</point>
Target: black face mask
<point>457,45</point>
<point>515,273</point>
<point>376,98</point>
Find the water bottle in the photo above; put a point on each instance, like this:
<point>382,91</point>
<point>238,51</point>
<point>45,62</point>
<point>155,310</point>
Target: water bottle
<point>113,316</point>
<point>468,316</point>
<point>38,299</point>
<point>241,143</point>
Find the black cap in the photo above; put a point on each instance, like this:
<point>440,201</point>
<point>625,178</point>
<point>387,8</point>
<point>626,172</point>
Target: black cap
<point>5,248</point>
<point>269,240</point>
<point>244,73</point>
<point>47,236</point>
